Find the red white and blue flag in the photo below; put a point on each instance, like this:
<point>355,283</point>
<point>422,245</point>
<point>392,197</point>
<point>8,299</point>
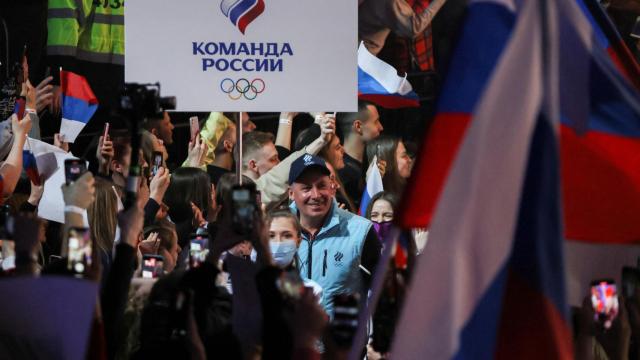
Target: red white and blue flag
<point>491,280</point>
<point>39,160</point>
<point>600,125</point>
<point>29,164</point>
<point>379,83</point>
<point>242,12</point>
<point>78,104</point>
<point>373,186</point>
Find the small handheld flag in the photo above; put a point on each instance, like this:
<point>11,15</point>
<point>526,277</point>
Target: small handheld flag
<point>379,83</point>
<point>78,104</point>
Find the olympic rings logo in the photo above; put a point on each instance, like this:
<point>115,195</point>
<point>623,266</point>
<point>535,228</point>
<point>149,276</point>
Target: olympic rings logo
<point>242,88</point>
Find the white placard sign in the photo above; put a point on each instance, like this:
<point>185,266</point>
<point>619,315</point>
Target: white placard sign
<point>246,55</point>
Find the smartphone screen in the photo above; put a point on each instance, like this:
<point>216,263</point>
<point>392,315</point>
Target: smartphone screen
<point>79,250</point>
<point>152,266</point>
<point>243,208</point>
<point>73,169</point>
<point>194,125</point>
<point>604,299</point>
<point>198,251</point>
<point>21,104</point>
<point>157,162</point>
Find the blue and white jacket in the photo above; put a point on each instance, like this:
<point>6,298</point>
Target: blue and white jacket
<point>332,257</point>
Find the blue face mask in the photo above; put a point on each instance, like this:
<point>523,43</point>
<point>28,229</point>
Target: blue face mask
<point>283,252</point>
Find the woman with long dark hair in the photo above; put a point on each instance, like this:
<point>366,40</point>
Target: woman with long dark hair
<point>189,201</point>
<point>393,160</point>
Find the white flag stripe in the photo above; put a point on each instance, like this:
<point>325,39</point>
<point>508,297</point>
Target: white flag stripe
<point>382,72</point>
<point>70,129</point>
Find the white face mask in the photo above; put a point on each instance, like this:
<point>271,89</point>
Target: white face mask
<point>283,252</point>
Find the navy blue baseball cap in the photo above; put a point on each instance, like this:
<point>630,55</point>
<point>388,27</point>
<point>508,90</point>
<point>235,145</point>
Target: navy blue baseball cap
<point>304,162</point>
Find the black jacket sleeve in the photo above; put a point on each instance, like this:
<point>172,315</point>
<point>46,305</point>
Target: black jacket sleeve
<point>276,335</point>
<point>150,211</point>
<point>114,296</point>
<point>370,256</point>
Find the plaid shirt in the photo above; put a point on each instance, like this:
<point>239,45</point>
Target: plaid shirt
<point>421,46</point>
<point>402,52</point>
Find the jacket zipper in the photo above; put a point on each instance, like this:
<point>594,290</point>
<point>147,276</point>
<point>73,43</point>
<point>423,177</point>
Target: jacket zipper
<point>324,263</point>
<point>310,256</point>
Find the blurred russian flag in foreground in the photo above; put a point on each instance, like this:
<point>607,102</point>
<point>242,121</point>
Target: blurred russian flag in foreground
<point>491,279</point>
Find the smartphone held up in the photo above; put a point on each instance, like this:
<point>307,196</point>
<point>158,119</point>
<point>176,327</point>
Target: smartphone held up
<point>604,299</point>
<point>152,266</point>
<point>157,162</point>
<point>194,126</point>
<point>79,251</point>
<point>73,169</point>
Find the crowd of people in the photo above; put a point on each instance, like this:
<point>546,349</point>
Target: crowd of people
<point>303,249</point>
<point>209,255</point>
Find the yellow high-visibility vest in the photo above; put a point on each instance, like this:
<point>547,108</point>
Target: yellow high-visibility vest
<point>89,30</point>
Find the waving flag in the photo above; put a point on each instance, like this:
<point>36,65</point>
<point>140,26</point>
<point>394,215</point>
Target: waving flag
<point>379,83</point>
<point>491,278</point>
<point>29,164</point>
<point>373,186</point>
<point>242,12</point>
<point>78,104</point>
<point>600,134</point>
<point>39,160</point>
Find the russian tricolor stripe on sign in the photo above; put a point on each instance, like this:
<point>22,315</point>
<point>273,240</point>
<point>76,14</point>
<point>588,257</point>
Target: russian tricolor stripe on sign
<point>242,12</point>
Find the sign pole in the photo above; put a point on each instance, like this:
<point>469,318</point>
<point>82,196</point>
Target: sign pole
<point>239,149</point>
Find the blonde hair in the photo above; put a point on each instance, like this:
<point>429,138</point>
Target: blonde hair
<point>212,132</point>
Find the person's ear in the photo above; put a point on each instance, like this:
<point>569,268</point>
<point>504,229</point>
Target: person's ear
<point>290,193</point>
<point>115,166</point>
<point>154,131</point>
<point>251,165</point>
<point>228,146</point>
<point>357,127</point>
